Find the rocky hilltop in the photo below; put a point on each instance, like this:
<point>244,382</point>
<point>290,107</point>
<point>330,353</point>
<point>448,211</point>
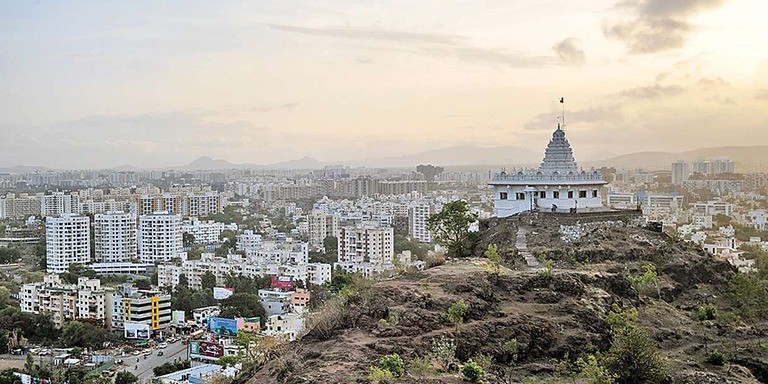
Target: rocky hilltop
<point>531,325</point>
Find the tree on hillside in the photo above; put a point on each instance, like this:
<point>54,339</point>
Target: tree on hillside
<point>242,305</point>
<point>125,377</point>
<point>494,260</point>
<point>208,280</point>
<point>450,228</point>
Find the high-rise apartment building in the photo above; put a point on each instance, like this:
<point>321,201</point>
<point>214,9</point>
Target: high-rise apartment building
<point>680,172</point>
<point>160,237</point>
<point>418,213</point>
<point>115,237</point>
<point>363,244</point>
<point>57,204</point>
<point>320,226</point>
<point>67,241</point>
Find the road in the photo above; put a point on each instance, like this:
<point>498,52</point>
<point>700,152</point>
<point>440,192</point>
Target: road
<point>175,352</point>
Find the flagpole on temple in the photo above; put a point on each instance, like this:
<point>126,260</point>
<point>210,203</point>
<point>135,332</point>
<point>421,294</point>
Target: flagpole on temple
<point>562,101</point>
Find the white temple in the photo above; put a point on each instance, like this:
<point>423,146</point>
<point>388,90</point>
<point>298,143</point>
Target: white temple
<point>557,186</point>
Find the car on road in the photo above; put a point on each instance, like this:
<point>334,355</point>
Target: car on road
<point>162,345</point>
<point>160,353</point>
<point>136,353</point>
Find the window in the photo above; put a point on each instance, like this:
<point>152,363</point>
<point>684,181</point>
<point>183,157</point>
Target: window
<point>594,193</point>
<point>570,194</point>
<point>582,194</point>
<point>556,194</point>
<point>543,194</point>
<point>502,195</point>
<point>519,196</point>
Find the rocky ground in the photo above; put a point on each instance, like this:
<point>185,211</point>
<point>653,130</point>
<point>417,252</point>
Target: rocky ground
<point>553,317</point>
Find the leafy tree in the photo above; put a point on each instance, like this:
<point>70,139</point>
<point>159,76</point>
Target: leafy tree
<point>331,244</point>
<point>456,313</point>
<point>749,294</point>
<point>94,377</point>
<point>125,377</point>
<point>40,254</point>
<point>450,228</point>
<point>5,297</point>
<point>188,239</point>
<point>183,281</point>
<point>634,359</point>
<point>7,377</point>
<point>9,255</point>
<point>494,260</point>
<point>242,305</point>
<point>143,284</point>
<point>208,280</point>
<point>84,335</point>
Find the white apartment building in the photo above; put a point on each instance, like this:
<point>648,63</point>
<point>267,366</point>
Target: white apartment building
<point>621,200</point>
<point>320,226</point>
<point>67,241</point>
<point>65,302</point>
<point>713,208</point>
<point>248,241</point>
<point>57,204</point>
<point>418,214</point>
<point>160,237</point>
<point>115,235</point>
<point>366,250</point>
<point>205,232</point>
<point>202,204</point>
<point>168,275</point>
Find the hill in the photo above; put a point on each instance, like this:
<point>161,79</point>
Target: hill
<point>747,159</point>
<point>461,155</point>
<point>550,318</point>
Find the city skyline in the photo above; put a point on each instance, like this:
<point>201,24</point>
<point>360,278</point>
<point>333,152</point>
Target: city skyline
<point>99,86</point>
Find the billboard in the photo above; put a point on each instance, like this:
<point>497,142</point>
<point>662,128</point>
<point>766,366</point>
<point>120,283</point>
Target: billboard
<point>136,330</point>
<point>222,326</point>
<point>285,282</point>
<point>177,318</point>
<point>206,349</point>
<point>220,293</point>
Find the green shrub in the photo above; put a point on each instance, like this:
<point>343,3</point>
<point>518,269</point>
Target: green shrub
<point>715,358</point>
<point>380,376</point>
<point>457,312</point>
<point>706,312</point>
<point>472,372</point>
<point>634,358</point>
<point>420,367</point>
<point>393,363</point>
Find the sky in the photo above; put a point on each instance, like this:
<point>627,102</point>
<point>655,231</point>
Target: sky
<point>151,84</point>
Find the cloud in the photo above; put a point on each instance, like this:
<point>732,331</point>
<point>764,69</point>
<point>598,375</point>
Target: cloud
<point>374,34</point>
<point>652,91</point>
<point>598,114</point>
<point>431,44</point>
<point>569,51</point>
<point>762,94</point>
<point>656,25</point>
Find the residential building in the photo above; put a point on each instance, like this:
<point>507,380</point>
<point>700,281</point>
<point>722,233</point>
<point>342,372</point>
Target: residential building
<point>205,232</point>
<point>680,172</point>
<point>160,237</point>
<point>67,241</point>
<point>150,307</point>
<point>320,226</point>
<point>418,213</point>
<point>115,235</point>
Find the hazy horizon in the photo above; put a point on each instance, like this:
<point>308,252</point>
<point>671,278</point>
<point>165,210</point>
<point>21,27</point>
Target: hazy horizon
<point>154,85</point>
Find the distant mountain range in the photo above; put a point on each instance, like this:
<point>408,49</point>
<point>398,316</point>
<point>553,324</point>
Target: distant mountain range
<point>747,159</point>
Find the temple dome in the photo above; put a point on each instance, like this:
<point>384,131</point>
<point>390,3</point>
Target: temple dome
<point>558,157</point>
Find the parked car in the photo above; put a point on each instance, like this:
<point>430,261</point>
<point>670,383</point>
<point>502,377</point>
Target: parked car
<point>162,345</point>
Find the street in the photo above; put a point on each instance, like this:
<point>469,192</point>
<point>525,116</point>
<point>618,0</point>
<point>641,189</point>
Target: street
<point>174,352</point>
